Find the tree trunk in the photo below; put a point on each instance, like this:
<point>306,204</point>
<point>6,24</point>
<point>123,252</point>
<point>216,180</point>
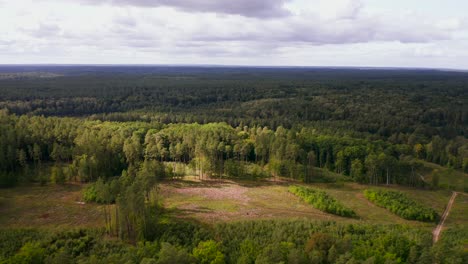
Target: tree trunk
<point>388,179</point>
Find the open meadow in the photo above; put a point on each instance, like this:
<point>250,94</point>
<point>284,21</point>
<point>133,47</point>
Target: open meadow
<point>215,201</point>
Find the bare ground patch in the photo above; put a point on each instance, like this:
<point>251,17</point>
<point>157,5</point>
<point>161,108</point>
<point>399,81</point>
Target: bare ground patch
<point>231,202</point>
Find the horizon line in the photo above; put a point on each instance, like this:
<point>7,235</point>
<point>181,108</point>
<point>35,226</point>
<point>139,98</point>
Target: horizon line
<point>194,65</point>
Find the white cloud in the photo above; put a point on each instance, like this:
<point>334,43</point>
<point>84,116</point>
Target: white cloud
<point>248,8</point>
<point>310,32</point>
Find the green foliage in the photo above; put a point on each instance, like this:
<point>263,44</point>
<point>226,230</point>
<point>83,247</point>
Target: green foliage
<point>12,240</point>
<point>232,123</point>
<point>170,254</point>
<point>272,241</point>
<point>322,201</point>
<point>401,205</point>
<point>208,252</point>
<point>84,150</point>
<point>90,194</point>
<point>30,253</point>
<point>451,248</point>
<point>57,175</point>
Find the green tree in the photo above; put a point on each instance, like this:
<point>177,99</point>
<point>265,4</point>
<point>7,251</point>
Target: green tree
<point>170,254</point>
<point>57,175</point>
<point>133,150</point>
<point>208,252</point>
<point>357,170</point>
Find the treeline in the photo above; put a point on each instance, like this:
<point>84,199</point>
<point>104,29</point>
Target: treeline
<point>400,106</point>
<point>272,241</point>
<point>34,148</point>
<point>322,201</point>
<point>399,204</point>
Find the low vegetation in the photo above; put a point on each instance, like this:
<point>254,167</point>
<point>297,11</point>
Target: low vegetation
<point>272,241</point>
<point>322,201</point>
<point>401,205</point>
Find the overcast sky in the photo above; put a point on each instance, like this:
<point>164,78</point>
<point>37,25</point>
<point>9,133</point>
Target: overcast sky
<point>397,33</point>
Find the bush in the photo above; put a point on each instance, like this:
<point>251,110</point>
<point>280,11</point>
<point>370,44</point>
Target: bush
<point>401,205</point>
<point>208,252</point>
<point>90,194</point>
<point>322,201</point>
<point>102,192</point>
<point>170,254</point>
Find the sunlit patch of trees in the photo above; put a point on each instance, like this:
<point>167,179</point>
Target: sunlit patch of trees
<point>322,201</point>
<point>401,205</point>
<point>44,149</point>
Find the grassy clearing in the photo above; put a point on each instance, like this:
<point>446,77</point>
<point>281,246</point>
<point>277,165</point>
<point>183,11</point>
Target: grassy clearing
<point>47,206</point>
<point>448,178</point>
<point>210,202</point>
<point>230,201</point>
<point>459,214</point>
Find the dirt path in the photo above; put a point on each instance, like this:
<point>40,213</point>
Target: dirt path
<point>438,229</point>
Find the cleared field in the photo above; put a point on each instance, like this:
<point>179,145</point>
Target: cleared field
<point>231,201</point>
<point>212,201</point>
<point>47,206</point>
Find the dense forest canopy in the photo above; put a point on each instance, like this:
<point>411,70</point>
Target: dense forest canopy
<point>352,121</point>
<point>121,131</point>
<point>382,103</point>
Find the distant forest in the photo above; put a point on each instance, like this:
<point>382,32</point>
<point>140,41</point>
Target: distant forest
<point>367,124</point>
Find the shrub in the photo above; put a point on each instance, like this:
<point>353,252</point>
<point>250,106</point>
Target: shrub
<point>208,252</point>
<point>90,194</point>
<point>401,205</point>
<point>322,201</point>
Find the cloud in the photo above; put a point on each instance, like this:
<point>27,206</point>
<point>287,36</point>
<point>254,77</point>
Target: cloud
<point>248,8</point>
<point>314,30</point>
<point>125,21</point>
<point>297,32</point>
<point>44,30</point>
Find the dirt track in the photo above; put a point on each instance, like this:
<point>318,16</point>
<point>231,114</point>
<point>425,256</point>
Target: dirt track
<point>438,229</point>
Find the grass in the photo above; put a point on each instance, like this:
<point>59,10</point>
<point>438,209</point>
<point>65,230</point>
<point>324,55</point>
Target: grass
<point>448,178</point>
<point>271,200</point>
<point>459,214</point>
<point>47,206</point>
<point>211,202</point>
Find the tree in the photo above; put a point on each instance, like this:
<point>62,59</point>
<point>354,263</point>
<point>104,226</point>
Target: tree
<point>357,170</point>
<point>386,162</point>
<point>208,252</point>
<point>310,164</point>
<point>133,150</point>
<point>372,167</point>
<point>30,253</point>
<point>170,254</point>
<point>419,151</point>
<point>36,154</point>
<point>57,176</point>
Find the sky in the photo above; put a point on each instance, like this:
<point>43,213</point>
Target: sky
<point>373,33</point>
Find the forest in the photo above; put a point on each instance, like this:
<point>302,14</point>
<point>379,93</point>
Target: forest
<point>125,134</point>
